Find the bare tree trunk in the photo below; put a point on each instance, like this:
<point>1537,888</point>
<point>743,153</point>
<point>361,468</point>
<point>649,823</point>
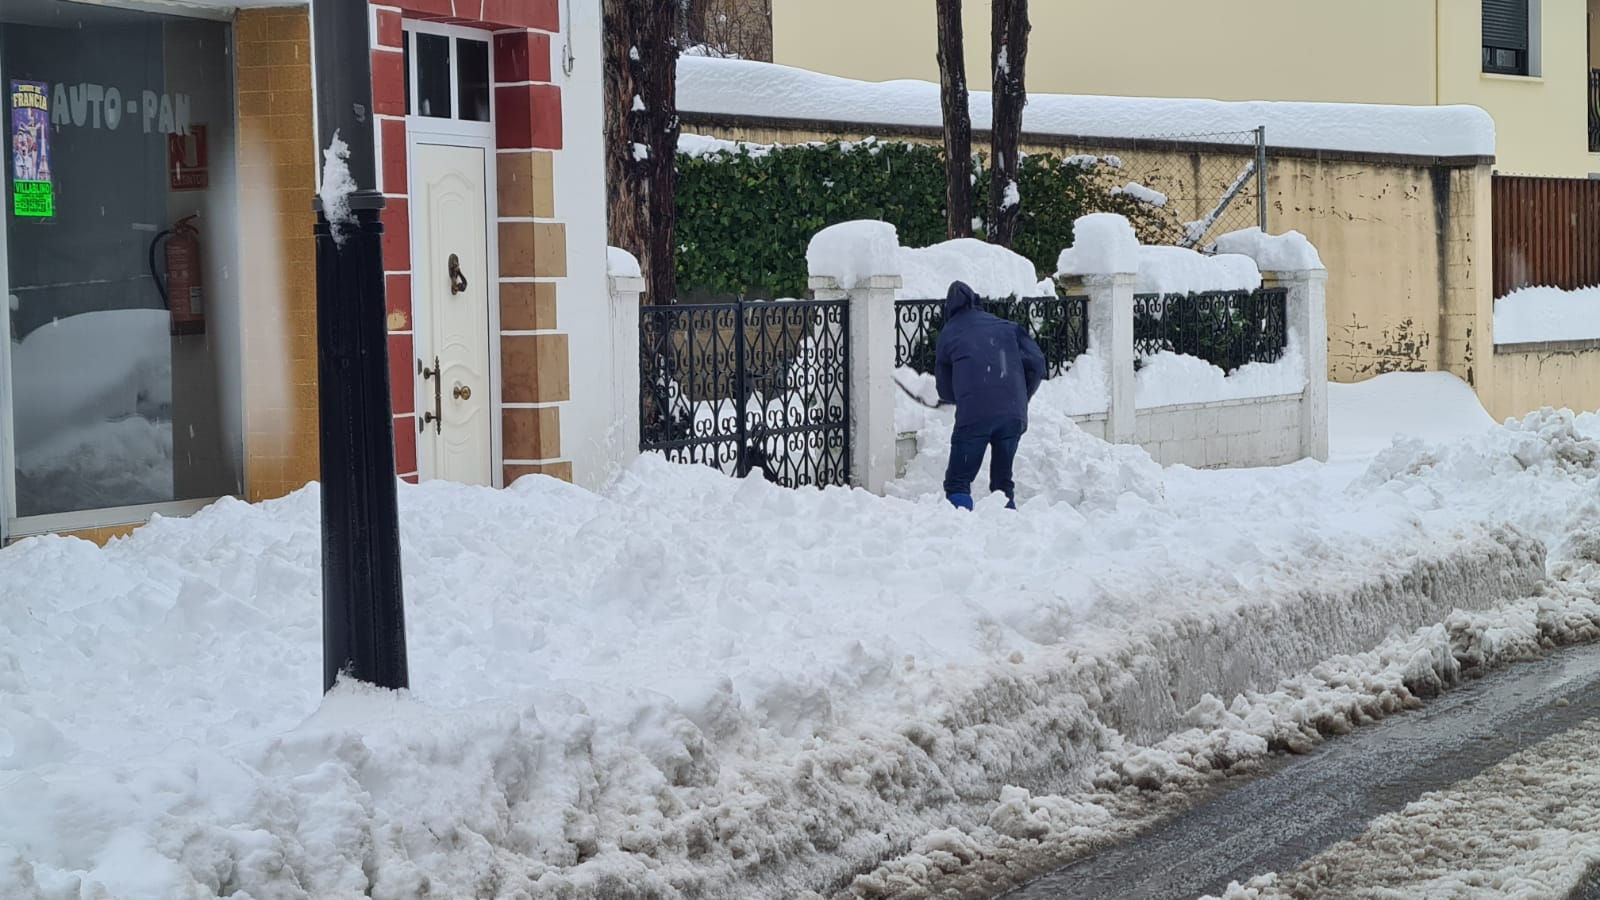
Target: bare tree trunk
<point>641,61</point>
<point>1009,58</point>
<point>957,120</point>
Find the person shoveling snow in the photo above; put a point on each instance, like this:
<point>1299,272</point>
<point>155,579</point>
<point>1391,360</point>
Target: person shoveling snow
<point>989,368</point>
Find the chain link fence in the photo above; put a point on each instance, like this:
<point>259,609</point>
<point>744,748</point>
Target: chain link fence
<point>1200,185</point>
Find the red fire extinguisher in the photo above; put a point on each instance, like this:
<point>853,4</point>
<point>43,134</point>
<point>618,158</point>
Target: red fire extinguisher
<point>183,288</point>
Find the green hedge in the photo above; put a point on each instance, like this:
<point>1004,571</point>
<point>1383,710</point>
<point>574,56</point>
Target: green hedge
<point>745,218</point>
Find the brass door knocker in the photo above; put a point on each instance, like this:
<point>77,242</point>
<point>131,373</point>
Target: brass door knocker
<point>458,281</point>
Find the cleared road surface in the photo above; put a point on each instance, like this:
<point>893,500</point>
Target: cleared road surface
<point>1464,744</point>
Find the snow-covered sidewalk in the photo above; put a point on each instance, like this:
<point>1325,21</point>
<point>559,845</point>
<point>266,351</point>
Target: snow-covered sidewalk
<point>692,685</point>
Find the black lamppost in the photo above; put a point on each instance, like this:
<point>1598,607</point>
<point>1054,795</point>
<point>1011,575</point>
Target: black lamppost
<point>363,607</point>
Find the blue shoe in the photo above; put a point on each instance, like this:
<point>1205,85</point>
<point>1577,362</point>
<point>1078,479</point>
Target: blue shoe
<point>1011,504</point>
<point>960,501</point>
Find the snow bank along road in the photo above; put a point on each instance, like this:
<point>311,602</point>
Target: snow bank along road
<point>687,685</point>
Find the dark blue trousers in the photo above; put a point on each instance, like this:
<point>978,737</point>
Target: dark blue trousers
<point>967,446</point>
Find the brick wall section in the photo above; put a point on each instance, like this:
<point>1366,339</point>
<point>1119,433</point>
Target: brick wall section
<point>277,164</point>
<point>533,254</point>
<point>389,103</point>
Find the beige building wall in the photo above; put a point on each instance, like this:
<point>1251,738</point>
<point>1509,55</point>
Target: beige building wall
<point>1541,121</point>
<point>1421,52</point>
<point>1556,375</point>
<point>1143,48</point>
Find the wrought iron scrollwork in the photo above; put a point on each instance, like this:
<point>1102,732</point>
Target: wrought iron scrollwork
<point>1060,326</point>
<point>749,386</point>
<point>1228,329</point>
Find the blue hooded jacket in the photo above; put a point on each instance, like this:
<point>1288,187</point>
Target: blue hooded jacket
<point>988,367</point>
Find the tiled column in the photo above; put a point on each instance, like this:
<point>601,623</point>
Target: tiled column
<point>277,166</point>
<point>535,372</point>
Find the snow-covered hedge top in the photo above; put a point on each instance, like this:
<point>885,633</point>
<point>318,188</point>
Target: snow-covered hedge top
<point>991,270</point>
<point>851,252</point>
<point>1104,244</point>
<point>1287,252</point>
<point>739,87</point>
<point>621,264</point>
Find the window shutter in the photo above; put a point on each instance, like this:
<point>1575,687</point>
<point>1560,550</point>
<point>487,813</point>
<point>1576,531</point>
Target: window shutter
<point>1505,24</point>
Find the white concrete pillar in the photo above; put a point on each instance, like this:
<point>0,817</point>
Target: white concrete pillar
<point>626,292</point>
<point>1308,330</point>
<point>872,342</point>
<point>1111,339</point>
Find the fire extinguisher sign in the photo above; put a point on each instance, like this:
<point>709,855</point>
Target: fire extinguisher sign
<point>32,191</point>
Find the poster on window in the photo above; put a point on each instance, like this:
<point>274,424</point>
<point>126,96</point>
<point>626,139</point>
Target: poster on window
<point>32,192</point>
<point>188,163</point>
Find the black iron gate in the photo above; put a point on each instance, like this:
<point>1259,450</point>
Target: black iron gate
<point>749,386</point>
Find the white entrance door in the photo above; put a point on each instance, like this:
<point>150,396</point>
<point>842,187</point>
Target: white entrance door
<point>451,285</point>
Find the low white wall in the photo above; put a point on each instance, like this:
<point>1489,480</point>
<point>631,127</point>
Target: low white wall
<point>1257,431</point>
<point>1260,431</point>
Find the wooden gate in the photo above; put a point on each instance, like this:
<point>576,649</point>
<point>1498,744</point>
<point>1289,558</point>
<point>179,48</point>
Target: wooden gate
<point>1546,232</point>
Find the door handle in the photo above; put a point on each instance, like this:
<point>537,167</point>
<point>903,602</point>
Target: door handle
<point>461,392</point>
<point>458,281</point>
<point>436,416</point>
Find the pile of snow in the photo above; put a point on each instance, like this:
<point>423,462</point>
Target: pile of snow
<point>993,271</point>
<point>1105,244</point>
<point>1287,252</point>
<point>1028,833</point>
<point>1179,270</point>
<point>622,264</point>
<point>668,687</point>
<point>738,88</point>
<point>595,705</point>
<point>1541,471</point>
<point>1102,244</point>
<point>1171,379</point>
<point>851,252</point>
<point>1365,418</point>
<point>1539,314</point>
<point>1057,461</point>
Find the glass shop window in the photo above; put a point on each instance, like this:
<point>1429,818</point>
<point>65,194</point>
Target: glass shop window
<point>119,259</point>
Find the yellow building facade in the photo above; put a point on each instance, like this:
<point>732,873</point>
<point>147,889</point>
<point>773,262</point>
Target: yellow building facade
<point>1411,52</point>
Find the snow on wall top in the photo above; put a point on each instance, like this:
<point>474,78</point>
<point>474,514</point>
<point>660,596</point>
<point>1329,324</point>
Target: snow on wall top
<point>739,87</point>
<point>1287,252</point>
<point>992,271</point>
<point>1538,314</point>
<point>852,252</point>
<point>622,264</point>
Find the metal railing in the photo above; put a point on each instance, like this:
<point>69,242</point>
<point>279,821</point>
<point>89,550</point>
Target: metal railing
<point>749,385</point>
<point>1059,325</point>
<point>1228,329</point>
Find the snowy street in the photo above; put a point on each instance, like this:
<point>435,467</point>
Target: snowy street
<point>1508,766</point>
<point>698,686</point>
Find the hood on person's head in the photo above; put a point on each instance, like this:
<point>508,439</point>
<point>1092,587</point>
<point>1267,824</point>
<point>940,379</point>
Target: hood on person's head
<point>960,299</point>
